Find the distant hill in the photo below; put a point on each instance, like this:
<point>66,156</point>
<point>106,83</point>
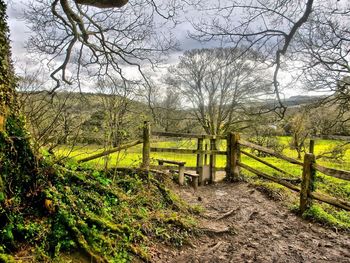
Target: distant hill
<point>302,100</point>
<point>294,101</point>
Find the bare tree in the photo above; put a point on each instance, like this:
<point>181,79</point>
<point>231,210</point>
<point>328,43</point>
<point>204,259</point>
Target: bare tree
<point>269,26</point>
<point>51,121</point>
<point>300,132</point>
<point>219,86</point>
<point>116,97</point>
<point>324,50</point>
<point>167,111</point>
<point>80,39</point>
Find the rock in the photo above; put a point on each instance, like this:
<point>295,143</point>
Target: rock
<point>253,215</point>
<point>277,236</point>
<point>253,245</point>
<point>328,245</point>
<point>220,193</point>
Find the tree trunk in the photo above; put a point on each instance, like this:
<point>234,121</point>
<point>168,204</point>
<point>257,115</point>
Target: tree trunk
<point>17,161</point>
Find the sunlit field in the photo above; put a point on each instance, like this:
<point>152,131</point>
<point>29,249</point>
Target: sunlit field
<point>326,184</point>
<point>133,156</point>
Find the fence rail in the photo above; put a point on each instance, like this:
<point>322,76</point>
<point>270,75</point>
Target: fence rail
<point>269,177</point>
<point>309,168</point>
<point>113,150</point>
<point>340,174</point>
<point>187,151</point>
<point>187,135</point>
<point>266,163</point>
<point>269,151</point>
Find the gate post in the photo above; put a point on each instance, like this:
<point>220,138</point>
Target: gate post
<point>146,149</point>
<point>212,160</point>
<point>307,184</point>
<point>228,157</point>
<point>234,156</point>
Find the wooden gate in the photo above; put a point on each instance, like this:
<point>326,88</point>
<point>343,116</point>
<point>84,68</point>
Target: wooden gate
<point>204,167</point>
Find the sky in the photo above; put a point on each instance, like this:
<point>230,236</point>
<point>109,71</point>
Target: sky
<point>18,30</point>
<point>19,33</point>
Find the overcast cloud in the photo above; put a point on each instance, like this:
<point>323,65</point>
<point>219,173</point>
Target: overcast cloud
<point>20,33</point>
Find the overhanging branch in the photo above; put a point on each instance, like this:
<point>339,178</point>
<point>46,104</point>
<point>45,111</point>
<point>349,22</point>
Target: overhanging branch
<point>103,3</point>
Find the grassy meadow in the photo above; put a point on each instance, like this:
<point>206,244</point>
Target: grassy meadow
<point>133,156</point>
<point>329,185</point>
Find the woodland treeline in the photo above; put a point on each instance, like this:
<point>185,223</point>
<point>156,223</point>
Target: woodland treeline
<point>229,95</point>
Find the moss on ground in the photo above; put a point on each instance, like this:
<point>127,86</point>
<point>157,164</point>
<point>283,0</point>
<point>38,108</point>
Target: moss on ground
<point>112,216</point>
<point>328,216</point>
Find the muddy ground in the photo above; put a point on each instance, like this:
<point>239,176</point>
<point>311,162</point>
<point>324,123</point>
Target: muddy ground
<point>240,224</point>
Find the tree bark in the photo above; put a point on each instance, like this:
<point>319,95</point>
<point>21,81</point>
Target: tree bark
<point>103,3</point>
<point>18,165</point>
<point>7,83</point>
<point>7,77</point>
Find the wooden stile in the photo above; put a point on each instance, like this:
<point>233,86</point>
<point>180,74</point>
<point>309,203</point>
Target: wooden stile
<point>233,164</point>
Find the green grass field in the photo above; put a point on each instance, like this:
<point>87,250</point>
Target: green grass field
<point>325,184</point>
<point>133,156</point>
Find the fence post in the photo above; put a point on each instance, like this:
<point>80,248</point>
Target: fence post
<point>233,157</point>
<point>312,146</point>
<point>199,165</point>
<point>236,156</point>
<point>212,160</point>
<point>146,150</point>
<point>228,157</point>
<point>307,184</point>
<point>181,174</point>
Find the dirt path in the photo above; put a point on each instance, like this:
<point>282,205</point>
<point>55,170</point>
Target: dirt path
<point>255,229</point>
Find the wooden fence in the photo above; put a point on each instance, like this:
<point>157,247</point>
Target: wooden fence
<point>308,166</point>
<point>234,164</point>
<point>235,148</point>
<point>201,152</point>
